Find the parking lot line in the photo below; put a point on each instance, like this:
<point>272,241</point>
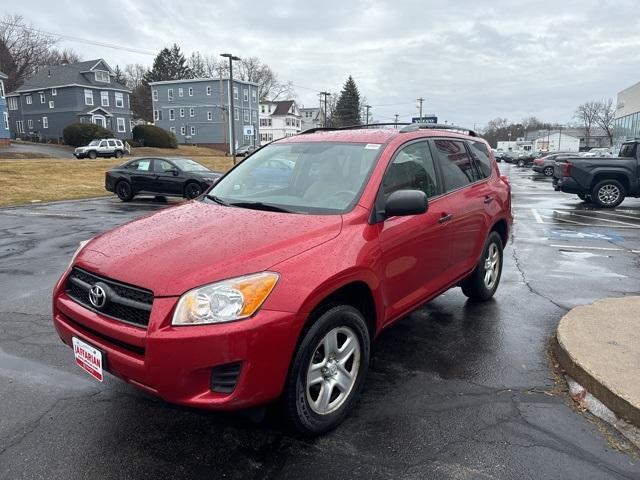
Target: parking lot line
<point>573,214</point>
<point>537,215</point>
<point>584,247</point>
<point>620,215</point>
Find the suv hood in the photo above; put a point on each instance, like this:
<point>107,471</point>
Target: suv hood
<point>195,243</point>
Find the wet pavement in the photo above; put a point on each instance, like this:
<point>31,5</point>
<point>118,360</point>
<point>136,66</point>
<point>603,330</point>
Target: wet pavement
<point>455,390</point>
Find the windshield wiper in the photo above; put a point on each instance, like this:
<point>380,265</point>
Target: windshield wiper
<point>260,206</point>
<point>217,199</point>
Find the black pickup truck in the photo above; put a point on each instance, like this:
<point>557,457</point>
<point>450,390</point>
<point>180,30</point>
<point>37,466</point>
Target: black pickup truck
<point>603,181</point>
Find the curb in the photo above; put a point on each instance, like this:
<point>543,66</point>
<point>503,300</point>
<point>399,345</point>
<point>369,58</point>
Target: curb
<point>615,402</point>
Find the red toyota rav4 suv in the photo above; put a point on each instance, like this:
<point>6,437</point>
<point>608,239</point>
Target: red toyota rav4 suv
<point>274,283</point>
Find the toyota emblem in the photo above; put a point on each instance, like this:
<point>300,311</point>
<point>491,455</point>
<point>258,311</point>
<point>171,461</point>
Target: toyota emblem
<point>97,296</point>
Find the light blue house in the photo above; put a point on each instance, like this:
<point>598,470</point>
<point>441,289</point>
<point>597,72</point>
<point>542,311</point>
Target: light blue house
<point>4,114</point>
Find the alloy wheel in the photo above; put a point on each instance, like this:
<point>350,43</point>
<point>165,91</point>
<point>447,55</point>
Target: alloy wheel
<point>193,190</point>
<point>491,266</point>
<point>608,194</point>
<point>333,370</point>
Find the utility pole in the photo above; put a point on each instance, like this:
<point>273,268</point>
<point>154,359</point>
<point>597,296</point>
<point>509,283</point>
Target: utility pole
<point>396,115</point>
<point>326,94</point>
<point>232,112</point>
<point>421,100</point>
<point>367,107</point>
<point>560,138</point>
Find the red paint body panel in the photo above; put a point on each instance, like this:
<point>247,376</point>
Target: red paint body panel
<point>404,261</point>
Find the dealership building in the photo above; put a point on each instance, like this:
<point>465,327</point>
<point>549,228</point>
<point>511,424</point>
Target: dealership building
<point>627,123</point>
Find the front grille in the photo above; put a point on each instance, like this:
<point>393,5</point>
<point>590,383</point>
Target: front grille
<point>123,302</point>
<point>225,377</point>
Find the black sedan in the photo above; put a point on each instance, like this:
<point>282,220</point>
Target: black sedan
<point>175,177</point>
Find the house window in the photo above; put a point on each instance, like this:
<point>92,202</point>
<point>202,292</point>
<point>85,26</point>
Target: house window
<point>54,92</point>
<point>208,90</point>
<point>181,92</point>
<point>88,97</point>
<point>154,94</point>
<point>172,130</point>
<point>104,99</point>
<point>246,116</point>
<point>182,112</point>
<point>172,114</point>
<point>235,93</point>
<point>19,126</point>
<point>42,98</point>
<point>209,116</point>
<point>254,115</point>
<point>121,125</point>
<point>254,96</point>
<point>261,108</point>
<point>156,115</point>
<point>245,94</point>
<point>170,94</point>
<point>30,124</point>
<point>183,130</point>
<point>29,99</point>
<point>51,105</point>
<point>192,112</point>
<point>1,89</point>
<point>236,113</point>
<point>191,91</point>
<point>193,130</point>
<point>45,122</point>
<point>6,120</point>
<point>119,100</point>
<point>102,76</point>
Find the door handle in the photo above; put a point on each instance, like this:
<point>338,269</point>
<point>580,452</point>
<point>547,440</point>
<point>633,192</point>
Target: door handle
<point>445,218</point>
<point>488,200</point>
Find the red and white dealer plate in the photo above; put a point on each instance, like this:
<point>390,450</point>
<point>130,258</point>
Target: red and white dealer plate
<point>88,358</point>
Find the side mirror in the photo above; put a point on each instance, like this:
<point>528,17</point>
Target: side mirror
<point>173,171</point>
<point>406,202</point>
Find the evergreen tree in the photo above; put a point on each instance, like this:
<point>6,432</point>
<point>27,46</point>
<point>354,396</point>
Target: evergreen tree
<point>120,77</point>
<point>169,64</point>
<point>347,111</point>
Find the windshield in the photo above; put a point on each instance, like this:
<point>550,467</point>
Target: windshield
<point>323,178</point>
<point>188,165</point>
<point>94,143</point>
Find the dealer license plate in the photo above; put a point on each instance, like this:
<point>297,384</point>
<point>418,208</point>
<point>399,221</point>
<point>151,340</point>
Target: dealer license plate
<point>88,358</point>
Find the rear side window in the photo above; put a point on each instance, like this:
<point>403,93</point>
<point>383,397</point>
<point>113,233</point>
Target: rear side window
<point>628,150</point>
<point>112,143</point>
<point>457,167</point>
<point>411,169</point>
<point>481,156</point>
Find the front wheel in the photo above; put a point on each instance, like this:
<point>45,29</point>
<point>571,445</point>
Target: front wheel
<point>328,370</point>
<point>192,190</point>
<point>608,193</point>
<point>483,282</point>
<point>93,155</point>
<point>548,171</point>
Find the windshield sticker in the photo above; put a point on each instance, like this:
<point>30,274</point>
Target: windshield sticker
<point>372,146</point>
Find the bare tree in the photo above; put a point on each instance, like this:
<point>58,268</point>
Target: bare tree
<point>60,57</point>
<point>24,49</point>
<point>587,114</point>
<point>605,117</point>
<point>197,65</point>
<point>134,74</point>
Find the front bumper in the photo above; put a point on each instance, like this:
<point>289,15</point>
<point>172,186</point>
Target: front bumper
<point>177,363</point>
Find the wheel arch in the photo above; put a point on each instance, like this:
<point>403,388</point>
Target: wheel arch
<point>502,228</point>
<point>618,176</point>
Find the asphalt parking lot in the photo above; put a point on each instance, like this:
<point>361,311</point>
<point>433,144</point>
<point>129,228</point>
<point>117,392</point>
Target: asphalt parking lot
<point>455,390</point>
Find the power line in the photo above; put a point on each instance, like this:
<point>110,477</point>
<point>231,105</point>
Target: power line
<point>80,39</point>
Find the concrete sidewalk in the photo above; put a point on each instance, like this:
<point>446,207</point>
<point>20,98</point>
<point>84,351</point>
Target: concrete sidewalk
<point>599,346</point>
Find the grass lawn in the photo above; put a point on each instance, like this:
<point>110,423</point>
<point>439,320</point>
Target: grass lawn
<point>24,181</point>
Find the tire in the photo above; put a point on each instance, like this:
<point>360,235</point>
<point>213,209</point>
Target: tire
<point>521,163</point>
<point>93,155</point>
<point>548,171</point>
<point>313,399</point>
<point>124,190</point>
<point>192,190</point>
<point>483,282</point>
<point>118,154</point>
<point>608,193</point>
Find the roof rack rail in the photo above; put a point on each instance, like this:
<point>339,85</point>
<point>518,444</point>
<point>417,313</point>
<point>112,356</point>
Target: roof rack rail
<point>406,127</point>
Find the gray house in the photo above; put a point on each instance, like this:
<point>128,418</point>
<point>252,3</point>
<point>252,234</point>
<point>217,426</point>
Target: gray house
<point>60,95</point>
<point>196,110</point>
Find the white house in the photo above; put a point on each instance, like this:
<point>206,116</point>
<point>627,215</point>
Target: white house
<point>279,120</point>
<point>312,117</point>
<point>557,142</point>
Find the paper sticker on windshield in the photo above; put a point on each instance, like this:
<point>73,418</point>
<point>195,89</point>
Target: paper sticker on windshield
<point>372,146</point>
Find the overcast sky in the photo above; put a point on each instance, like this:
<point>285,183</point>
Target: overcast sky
<point>471,62</point>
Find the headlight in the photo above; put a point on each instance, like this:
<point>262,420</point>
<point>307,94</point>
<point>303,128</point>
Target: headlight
<point>224,301</point>
<point>80,247</point>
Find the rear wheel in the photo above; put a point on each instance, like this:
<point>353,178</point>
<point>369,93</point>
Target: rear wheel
<point>483,282</point>
<point>608,193</point>
<point>521,163</point>
<point>328,370</point>
<point>118,154</point>
<point>548,171</point>
<point>93,155</point>
<point>192,190</point>
<point>124,190</point>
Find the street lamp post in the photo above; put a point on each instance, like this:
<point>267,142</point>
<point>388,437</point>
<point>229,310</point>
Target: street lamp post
<point>232,110</point>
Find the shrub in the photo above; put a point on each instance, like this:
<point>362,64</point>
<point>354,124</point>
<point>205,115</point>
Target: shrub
<point>152,136</point>
<point>133,143</point>
<point>80,134</point>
